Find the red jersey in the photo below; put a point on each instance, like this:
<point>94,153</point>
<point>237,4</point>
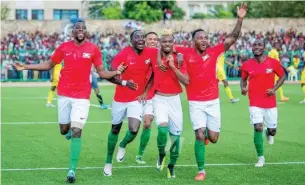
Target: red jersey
<point>261,78</point>
<point>75,75</point>
<point>139,67</point>
<point>167,82</point>
<point>201,69</point>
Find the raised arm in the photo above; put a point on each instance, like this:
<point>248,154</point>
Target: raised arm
<point>241,13</point>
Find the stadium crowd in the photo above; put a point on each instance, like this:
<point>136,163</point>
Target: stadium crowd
<point>32,48</point>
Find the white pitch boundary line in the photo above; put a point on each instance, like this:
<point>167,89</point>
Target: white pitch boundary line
<point>46,122</point>
<point>128,167</point>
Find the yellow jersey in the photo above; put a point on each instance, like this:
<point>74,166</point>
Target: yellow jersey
<point>57,67</point>
<point>221,62</point>
<point>274,54</point>
<point>296,62</point>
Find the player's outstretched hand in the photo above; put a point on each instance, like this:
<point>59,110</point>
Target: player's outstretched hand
<point>142,98</point>
<point>270,92</point>
<point>242,10</point>
<point>179,59</point>
<point>19,66</point>
<point>132,85</point>
<point>122,67</point>
<point>244,91</point>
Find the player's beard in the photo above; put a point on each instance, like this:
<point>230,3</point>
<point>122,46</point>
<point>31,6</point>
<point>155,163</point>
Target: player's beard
<point>79,40</point>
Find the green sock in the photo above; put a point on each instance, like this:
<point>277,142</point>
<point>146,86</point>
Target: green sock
<point>200,154</point>
<point>174,150</point>
<point>69,134</point>
<point>127,139</point>
<point>144,140</point>
<point>206,133</point>
<point>75,148</point>
<point>162,139</point>
<point>259,143</point>
<point>112,140</point>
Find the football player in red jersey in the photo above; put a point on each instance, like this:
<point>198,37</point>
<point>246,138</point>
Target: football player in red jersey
<point>74,86</point>
<point>130,87</point>
<point>202,90</point>
<point>259,72</point>
<point>167,103</point>
<point>151,41</point>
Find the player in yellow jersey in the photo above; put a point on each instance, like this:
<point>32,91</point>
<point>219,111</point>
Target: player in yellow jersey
<point>303,83</point>
<point>273,53</point>
<point>221,75</point>
<point>54,82</point>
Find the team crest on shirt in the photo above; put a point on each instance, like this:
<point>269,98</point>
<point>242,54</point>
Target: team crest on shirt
<point>268,71</point>
<point>205,57</point>
<point>147,61</point>
<point>86,55</point>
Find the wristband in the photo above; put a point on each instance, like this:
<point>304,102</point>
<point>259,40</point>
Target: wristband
<point>124,82</point>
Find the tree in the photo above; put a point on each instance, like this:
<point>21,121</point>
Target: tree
<point>96,8</point>
<point>178,13</point>
<point>143,12</point>
<point>113,11</point>
<point>133,9</point>
<point>5,10</point>
<point>218,12</point>
<point>272,9</point>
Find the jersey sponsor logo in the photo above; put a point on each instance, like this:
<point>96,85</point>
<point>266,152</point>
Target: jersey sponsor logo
<point>268,71</point>
<point>86,55</point>
<point>147,61</point>
<point>205,57</point>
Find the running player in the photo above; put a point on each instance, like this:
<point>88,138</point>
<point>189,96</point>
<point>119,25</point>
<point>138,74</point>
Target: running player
<point>130,88</point>
<point>151,41</point>
<point>167,103</point>
<point>260,72</point>
<point>74,87</point>
<point>274,53</point>
<point>54,82</point>
<point>303,82</point>
<point>221,75</point>
<point>202,91</point>
<point>94,86</point>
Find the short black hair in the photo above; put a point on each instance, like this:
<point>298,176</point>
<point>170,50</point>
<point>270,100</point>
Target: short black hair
<point>196,31</point>
<point>79,20</point>
<point>151,32</point>
<point>132,33</point>
<point>262,40</point>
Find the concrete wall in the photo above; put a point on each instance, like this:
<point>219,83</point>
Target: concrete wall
<point>211,25</point>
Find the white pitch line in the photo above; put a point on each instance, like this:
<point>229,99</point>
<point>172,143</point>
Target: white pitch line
<point>128,167</point>
<point>46,122</point>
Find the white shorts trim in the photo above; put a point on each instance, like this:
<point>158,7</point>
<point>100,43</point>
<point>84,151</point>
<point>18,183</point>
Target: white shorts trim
<point>121,110</point>
<point>72,110</point>
<point>205,114</point>
<point>261,115</point>
<point>148,108</point>
<point>168,109</point>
